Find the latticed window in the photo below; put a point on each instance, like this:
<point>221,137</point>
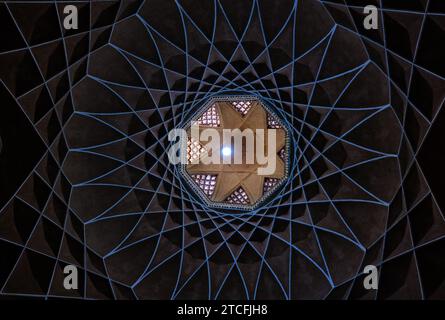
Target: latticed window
<point>282,154</point>
<point>269,183</point>
<point>239,196</point>
<point>242,107</point>
<point>207,183</point>
<point>210,118</point>
<point>225,185</point>
<point>194,150</point>
<point>272,123</point>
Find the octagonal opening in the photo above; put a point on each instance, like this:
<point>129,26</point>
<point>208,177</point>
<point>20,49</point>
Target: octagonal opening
<point>237,184</point>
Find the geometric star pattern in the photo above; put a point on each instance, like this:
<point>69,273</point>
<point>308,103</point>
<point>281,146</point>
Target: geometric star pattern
<point>240,174</point>
<point>85,178</point>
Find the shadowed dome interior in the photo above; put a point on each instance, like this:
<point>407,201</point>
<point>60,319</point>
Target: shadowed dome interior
<point>85,177</point>
<point>229,183</point>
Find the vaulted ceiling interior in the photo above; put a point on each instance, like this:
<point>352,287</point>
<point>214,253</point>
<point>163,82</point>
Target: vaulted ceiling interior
<point>85,178</point>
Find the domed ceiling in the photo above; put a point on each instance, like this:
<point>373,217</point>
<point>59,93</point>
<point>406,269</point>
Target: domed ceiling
<point>85,177</point>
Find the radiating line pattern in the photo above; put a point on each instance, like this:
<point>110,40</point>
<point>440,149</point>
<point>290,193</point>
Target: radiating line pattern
<point>85,177</point>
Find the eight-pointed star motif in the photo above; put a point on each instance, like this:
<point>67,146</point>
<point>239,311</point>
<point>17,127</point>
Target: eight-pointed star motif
<point>235,181</point>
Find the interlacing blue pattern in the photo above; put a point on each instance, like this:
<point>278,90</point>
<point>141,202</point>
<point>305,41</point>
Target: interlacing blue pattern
<point>133,226</point>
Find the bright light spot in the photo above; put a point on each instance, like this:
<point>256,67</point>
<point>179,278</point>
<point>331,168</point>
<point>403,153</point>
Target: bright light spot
<point>226,151</point>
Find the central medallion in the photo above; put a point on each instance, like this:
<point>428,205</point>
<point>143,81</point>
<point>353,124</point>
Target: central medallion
<point>247,156</point>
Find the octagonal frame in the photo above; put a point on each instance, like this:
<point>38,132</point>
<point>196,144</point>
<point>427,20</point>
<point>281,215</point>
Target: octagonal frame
<point>193,185</point>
